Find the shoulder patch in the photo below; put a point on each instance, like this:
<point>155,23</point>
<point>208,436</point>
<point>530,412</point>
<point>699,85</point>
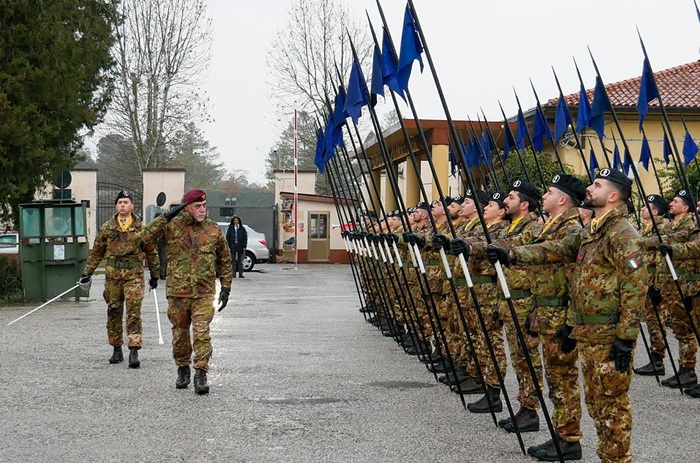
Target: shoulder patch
<point>634,263</point>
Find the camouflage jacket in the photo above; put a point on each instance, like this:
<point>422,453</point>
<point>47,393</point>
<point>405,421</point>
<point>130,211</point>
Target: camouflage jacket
<point>649,255</point>
<point>609,280</point>
<point>524,232</point>
<point>550,283</point>
<point>122,249</point>
<point>197,252</point>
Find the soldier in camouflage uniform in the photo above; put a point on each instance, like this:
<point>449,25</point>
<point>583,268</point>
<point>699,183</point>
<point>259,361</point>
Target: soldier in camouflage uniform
<point>486,289</point>
<point>550,291</point>
<point>522,203</point>
<point>119,244</point>
<point>607,303</point>
<point>681,230</point>
<point>659,208</point>
<point>197,252</point>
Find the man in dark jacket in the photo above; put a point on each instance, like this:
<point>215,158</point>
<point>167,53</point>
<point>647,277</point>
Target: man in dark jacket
<point>237,238</point>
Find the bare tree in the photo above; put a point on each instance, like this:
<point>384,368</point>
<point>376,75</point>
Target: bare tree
<point>305,55</point>
<point>162,47</point>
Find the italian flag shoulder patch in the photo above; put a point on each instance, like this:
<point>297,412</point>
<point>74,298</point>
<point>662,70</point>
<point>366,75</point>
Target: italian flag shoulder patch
<point>633,263</point>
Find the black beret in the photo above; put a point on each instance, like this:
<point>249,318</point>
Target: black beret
<point>686,196</point>
<point>458,199</point>
<point>570,185</point>
<point>528,189</point>
<point>481,196</point>
<point>498,197</point>
<point>123,194</point>
<point>659,202</point>
<point>615,176</point>
<point>423,205</point>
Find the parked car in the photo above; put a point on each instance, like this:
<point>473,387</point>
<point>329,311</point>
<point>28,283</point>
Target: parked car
<point>9,242</point>
<point>256,252</point>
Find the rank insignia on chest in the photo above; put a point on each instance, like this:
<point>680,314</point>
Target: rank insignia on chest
<point>633,263</point>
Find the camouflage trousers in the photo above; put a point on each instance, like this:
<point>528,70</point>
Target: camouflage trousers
<point>494,330</point>
<point>456,342</point>
<point>607,402</point>
<point>118,293</point>
<point>197,312</point>
<point>561,372</point>
<point>679,322</point>
<point>527,395</point>
<point>655,337</point>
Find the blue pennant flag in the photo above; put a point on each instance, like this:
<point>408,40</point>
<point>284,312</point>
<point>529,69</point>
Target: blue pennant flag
<point>472,154</point>
<point>487,147</point>
<point>318,158</point>
<point>339,117</point>
<point>690,148</point>
<point>540,130</point>
<point>522,130</point>
<point>617,162</point>
<point>453,161</point>
<point>508,141</point>
<point>584,110</point>
<point>390,66</point>
<point>592,163</point>
<point>627,163</point>
<point>667,150</point>
<point>697,10</point>
<point>645,154</point>
<point>647,92</point>
<point>601,104</point>
<point>357,93</point>
<point>411,50</point>
<point>562,119</point>
<point>329,142</point>
<point>377,87</point>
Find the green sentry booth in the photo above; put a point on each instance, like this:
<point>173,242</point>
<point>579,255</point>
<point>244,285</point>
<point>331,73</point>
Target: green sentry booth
<point>53,248</point>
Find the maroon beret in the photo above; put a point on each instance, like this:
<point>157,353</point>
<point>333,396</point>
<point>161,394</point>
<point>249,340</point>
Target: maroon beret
<point>194,196</point>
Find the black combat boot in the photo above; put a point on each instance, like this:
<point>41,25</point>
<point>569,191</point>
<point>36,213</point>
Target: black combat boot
<point>547,451</point>
<point>527,420</point>
<point>200,381</point>
<point>468,386</point>
<point>482,405</point>
<point>117,355</point>
<point>686,376</point>
<point>654,367</point>
<point>134,361</point>
<point>183,377</point>
<point>693,391</point>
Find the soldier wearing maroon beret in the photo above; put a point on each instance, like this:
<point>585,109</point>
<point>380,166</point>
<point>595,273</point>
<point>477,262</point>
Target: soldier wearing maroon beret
<point>198,252</point>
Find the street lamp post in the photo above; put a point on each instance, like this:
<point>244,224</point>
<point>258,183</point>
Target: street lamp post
<point>296,193</point>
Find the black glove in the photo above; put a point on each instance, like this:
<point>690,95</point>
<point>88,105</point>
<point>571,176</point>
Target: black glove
<point>621,352</point>
<point>172,213</point>
<point>392,238</point>
<point>153,282</point>
<point>567,344</point>
<point>223,298</point>
<point>85,282</point>
<point>344,233</point>
<point>459,246</point>
<point>496,254</point>
<point>528,326</point>
<point>440,241</point>
<point>654,296</point>
<point>666,249</point>
<point>416,239</point>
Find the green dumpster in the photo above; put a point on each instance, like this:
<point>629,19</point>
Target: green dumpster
<point>53,248</point>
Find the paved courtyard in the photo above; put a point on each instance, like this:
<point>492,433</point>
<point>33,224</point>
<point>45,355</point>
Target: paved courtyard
<point>297,376</point>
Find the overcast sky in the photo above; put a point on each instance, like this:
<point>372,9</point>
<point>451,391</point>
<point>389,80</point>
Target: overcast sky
<point>481,51</point>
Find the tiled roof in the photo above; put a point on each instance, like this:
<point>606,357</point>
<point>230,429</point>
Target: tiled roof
<point>679,87</point>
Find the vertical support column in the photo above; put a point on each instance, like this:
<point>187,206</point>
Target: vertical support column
<point>441,161</point>
<point>389,197</point>
<point>413,180</point>
<point>377,176</point>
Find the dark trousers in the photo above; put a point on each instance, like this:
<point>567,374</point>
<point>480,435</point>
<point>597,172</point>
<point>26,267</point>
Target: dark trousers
<point>237,261</point>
